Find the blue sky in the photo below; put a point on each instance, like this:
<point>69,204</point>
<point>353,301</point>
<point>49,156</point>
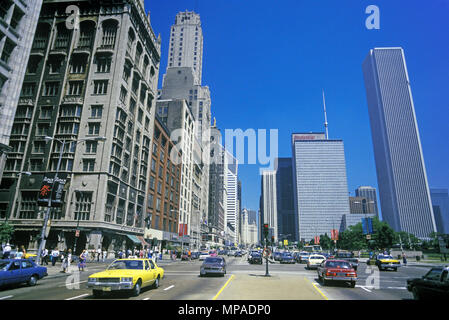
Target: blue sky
<point>266,63</point>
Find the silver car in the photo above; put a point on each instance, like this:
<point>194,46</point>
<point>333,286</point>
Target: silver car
<point>213,265</point>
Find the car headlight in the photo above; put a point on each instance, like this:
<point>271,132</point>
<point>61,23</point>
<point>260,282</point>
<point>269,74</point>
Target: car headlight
<point>126,279</point>
<point>92,280</point>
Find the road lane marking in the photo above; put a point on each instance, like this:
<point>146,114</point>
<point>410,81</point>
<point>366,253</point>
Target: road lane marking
<point>317,289</point>
<point>364,288</point>
<point>83,295</point>
<point>398,288</point>
<point>6,297</point>
<point>169,288</point>
<point>71,284</point>
<point>146,299</point>
<point>222,288</point>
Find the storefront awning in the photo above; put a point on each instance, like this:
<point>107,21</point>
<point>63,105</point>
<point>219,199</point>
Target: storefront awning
<point>133,238</point>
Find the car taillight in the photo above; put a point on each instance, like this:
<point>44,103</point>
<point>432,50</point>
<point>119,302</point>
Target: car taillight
<point>351,274</point>
<point>331,274</point>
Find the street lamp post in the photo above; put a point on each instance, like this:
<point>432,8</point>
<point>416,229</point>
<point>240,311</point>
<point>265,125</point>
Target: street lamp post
<point>47,213</point>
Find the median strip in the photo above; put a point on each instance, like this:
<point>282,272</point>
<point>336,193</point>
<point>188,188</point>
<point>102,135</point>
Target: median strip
<point>222,288</point>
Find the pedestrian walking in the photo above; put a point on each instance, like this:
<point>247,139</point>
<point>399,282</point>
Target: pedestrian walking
<point>98,254</point>
<point>141,254</point>
<point>105,254</point>
<point>82,261</point>
<point>120,254</point>
<point>66,261</point>
<point>6,251</point>
<point>54,256</point>
<point>20,253</point>
<point>44,257</point>
<point>404,259</point>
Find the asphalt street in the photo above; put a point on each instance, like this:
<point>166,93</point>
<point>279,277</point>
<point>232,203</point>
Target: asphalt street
<point>182,282</point>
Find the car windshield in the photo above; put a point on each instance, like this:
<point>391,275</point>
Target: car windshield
<point>385,257</point>
<point>255,254</point>
<point>316,257</point>
<point>126,264</point>
<point>213,260</point>
<point>3,265</point>
<point>338,264</point>
<point>204,253</point>
<point>286,254</point>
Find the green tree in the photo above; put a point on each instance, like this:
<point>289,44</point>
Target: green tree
<point>384,235</point>
<point>325,242</point>
<point>6,231</point>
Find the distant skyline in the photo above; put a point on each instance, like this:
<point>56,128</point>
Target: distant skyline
<point>267,62</point>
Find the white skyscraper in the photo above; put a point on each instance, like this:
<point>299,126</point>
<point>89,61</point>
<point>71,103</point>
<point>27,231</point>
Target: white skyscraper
<point>268,208</point>
<point>232,205</point>
<point>186,44</point>
<point>320,182</point>
<point>401,173</point>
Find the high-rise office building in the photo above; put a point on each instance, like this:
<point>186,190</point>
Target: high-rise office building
<point>268,206</point>
<point>232,202</point>
<point>96,80</point>
<point>18,21</point>
<point>249,229</point>
<point>401,172</point>
<point>285,199</point>
<point>370,194</point>
<point>320,184</point>
<point>440,202</point>
<point>186,44</point>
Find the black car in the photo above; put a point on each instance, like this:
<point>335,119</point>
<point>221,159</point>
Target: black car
<point>213,265</point>
<point>256,258</point>
<point>433,285</point>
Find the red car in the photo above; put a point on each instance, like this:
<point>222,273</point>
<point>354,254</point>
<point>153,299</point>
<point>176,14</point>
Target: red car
<point>337,270</point>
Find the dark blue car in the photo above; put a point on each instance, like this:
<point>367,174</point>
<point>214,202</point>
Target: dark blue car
<point>287,257</point>
<point>15,271</point>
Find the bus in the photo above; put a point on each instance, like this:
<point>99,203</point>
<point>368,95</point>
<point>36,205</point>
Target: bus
<point>312,248</point>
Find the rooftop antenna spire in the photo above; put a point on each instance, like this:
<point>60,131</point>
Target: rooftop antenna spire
<point>325,117</point>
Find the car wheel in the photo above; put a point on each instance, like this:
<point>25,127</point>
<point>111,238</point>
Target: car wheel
<point>137,288</point>
<point>33,280</point>
<point>156,283</point>
<point>416,294</point>
<point>97,293</point>
<point>395,269</point>
<point>352,284</point>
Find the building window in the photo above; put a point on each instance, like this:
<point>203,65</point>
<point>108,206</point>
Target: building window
<point>28,205</point>
<point>94,129</point>
<point>91,146</point>
<point>55,64</point>
<point>78,63</point>
<point>28,89</point>
<point>75,88</point>
<point>109,34</point>
<point>83,205</point>
<point>123,94</point>
<point>7,50</point>
<point>100,87</point>
<point>51,89</point>
<point>103,63</point>
<point>88,165</point>
<point>96,111</point>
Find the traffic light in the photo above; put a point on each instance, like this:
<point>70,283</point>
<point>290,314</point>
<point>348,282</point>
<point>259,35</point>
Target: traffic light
<point>272,239</point>
<point>265,230</point>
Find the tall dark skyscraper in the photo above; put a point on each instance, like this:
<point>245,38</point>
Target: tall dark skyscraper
<point>285,199</point>
<point>401,173</point>
<point>440,202</point>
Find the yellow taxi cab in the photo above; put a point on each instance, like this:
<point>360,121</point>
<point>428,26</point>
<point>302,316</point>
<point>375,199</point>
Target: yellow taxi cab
<point>29,256</point>
<point>126,274</point>
<point>384,261</point>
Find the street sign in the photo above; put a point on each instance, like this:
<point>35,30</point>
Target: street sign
<point>266,253</point>
<point>285,242</point>
<point>368,237</point>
